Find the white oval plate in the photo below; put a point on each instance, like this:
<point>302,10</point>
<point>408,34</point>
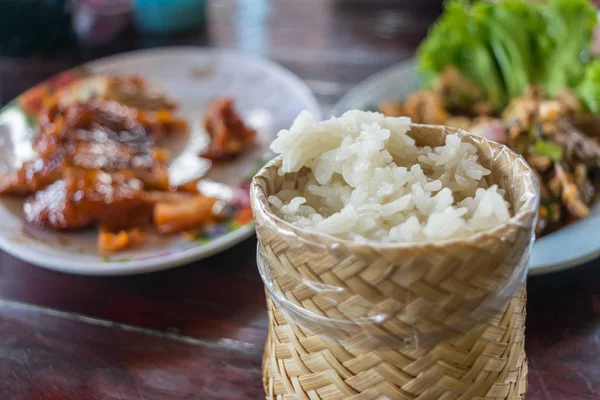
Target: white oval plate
<point>571,246</point>
<point>267,96</point>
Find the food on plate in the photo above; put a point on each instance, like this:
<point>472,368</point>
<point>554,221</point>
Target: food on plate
<point>154,108</point>
<point>134,91</point>
<point>91,135</point>
<point>162,123</point>
<point>85,197</point>
<point>519,73</point>
<point>131,91</point>
<point>113,241</point>
<point>229,135</point>
<point>365,179</point>
<point>545,132</point>
<point>99,163</point>
<point>184,214</point>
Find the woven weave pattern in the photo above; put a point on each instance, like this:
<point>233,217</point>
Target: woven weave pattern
<point>359,321</point>
<point>485,363</point>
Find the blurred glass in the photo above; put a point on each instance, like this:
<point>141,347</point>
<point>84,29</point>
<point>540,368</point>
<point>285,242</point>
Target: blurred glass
<point>97,22</point>
<point>168,16</point>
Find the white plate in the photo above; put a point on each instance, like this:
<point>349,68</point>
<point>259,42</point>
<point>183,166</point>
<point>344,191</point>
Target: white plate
<point>566,248</point>
<point>268,97</point>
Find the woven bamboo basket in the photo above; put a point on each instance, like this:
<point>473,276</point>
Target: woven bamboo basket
<point>453,311</point>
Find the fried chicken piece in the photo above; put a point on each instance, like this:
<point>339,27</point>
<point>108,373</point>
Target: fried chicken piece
<point>229,135</point>
<point>86,197</point>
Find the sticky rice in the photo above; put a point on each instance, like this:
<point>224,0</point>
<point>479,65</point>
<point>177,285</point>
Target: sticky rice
<point>366,180</point>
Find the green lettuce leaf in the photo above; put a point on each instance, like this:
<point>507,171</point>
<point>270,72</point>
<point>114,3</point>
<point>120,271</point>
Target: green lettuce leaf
<point>455,39</point>
<point>507,45</point>
<point>569,29</point>
<point>588,89</point>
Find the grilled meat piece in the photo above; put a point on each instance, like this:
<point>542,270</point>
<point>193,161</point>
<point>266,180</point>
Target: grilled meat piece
<point>229,135</point>
<point>85,197</point>
<point>93,135</point>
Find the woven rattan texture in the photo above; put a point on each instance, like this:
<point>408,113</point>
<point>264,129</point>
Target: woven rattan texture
<point>323,295</point>
<point>485,363</point>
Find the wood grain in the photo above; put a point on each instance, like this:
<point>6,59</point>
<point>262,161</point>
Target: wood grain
<point>562,339</point>
<point>220,298</point>
<point>48,357</point>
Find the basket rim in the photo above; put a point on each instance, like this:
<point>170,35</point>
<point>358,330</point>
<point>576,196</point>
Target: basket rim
<point>528,210</point>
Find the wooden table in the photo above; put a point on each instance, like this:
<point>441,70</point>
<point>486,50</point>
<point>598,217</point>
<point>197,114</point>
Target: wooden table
<point>197,332</point>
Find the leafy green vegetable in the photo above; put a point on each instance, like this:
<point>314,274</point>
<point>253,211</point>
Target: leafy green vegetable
<point>548,149</point>
<point>507,45</point>
<point>455,40</point>
<point>569,28</point>
<point>509,40</point>
<point>589,88</point>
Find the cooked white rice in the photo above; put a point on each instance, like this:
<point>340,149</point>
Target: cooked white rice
<point>369,181</point>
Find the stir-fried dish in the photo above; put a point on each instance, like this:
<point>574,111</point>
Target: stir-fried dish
<point>544,131</point>
<point>520,73</point>
<point>100,163</point>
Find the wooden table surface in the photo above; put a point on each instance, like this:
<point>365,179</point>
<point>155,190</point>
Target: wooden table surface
<point>197,332</point>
